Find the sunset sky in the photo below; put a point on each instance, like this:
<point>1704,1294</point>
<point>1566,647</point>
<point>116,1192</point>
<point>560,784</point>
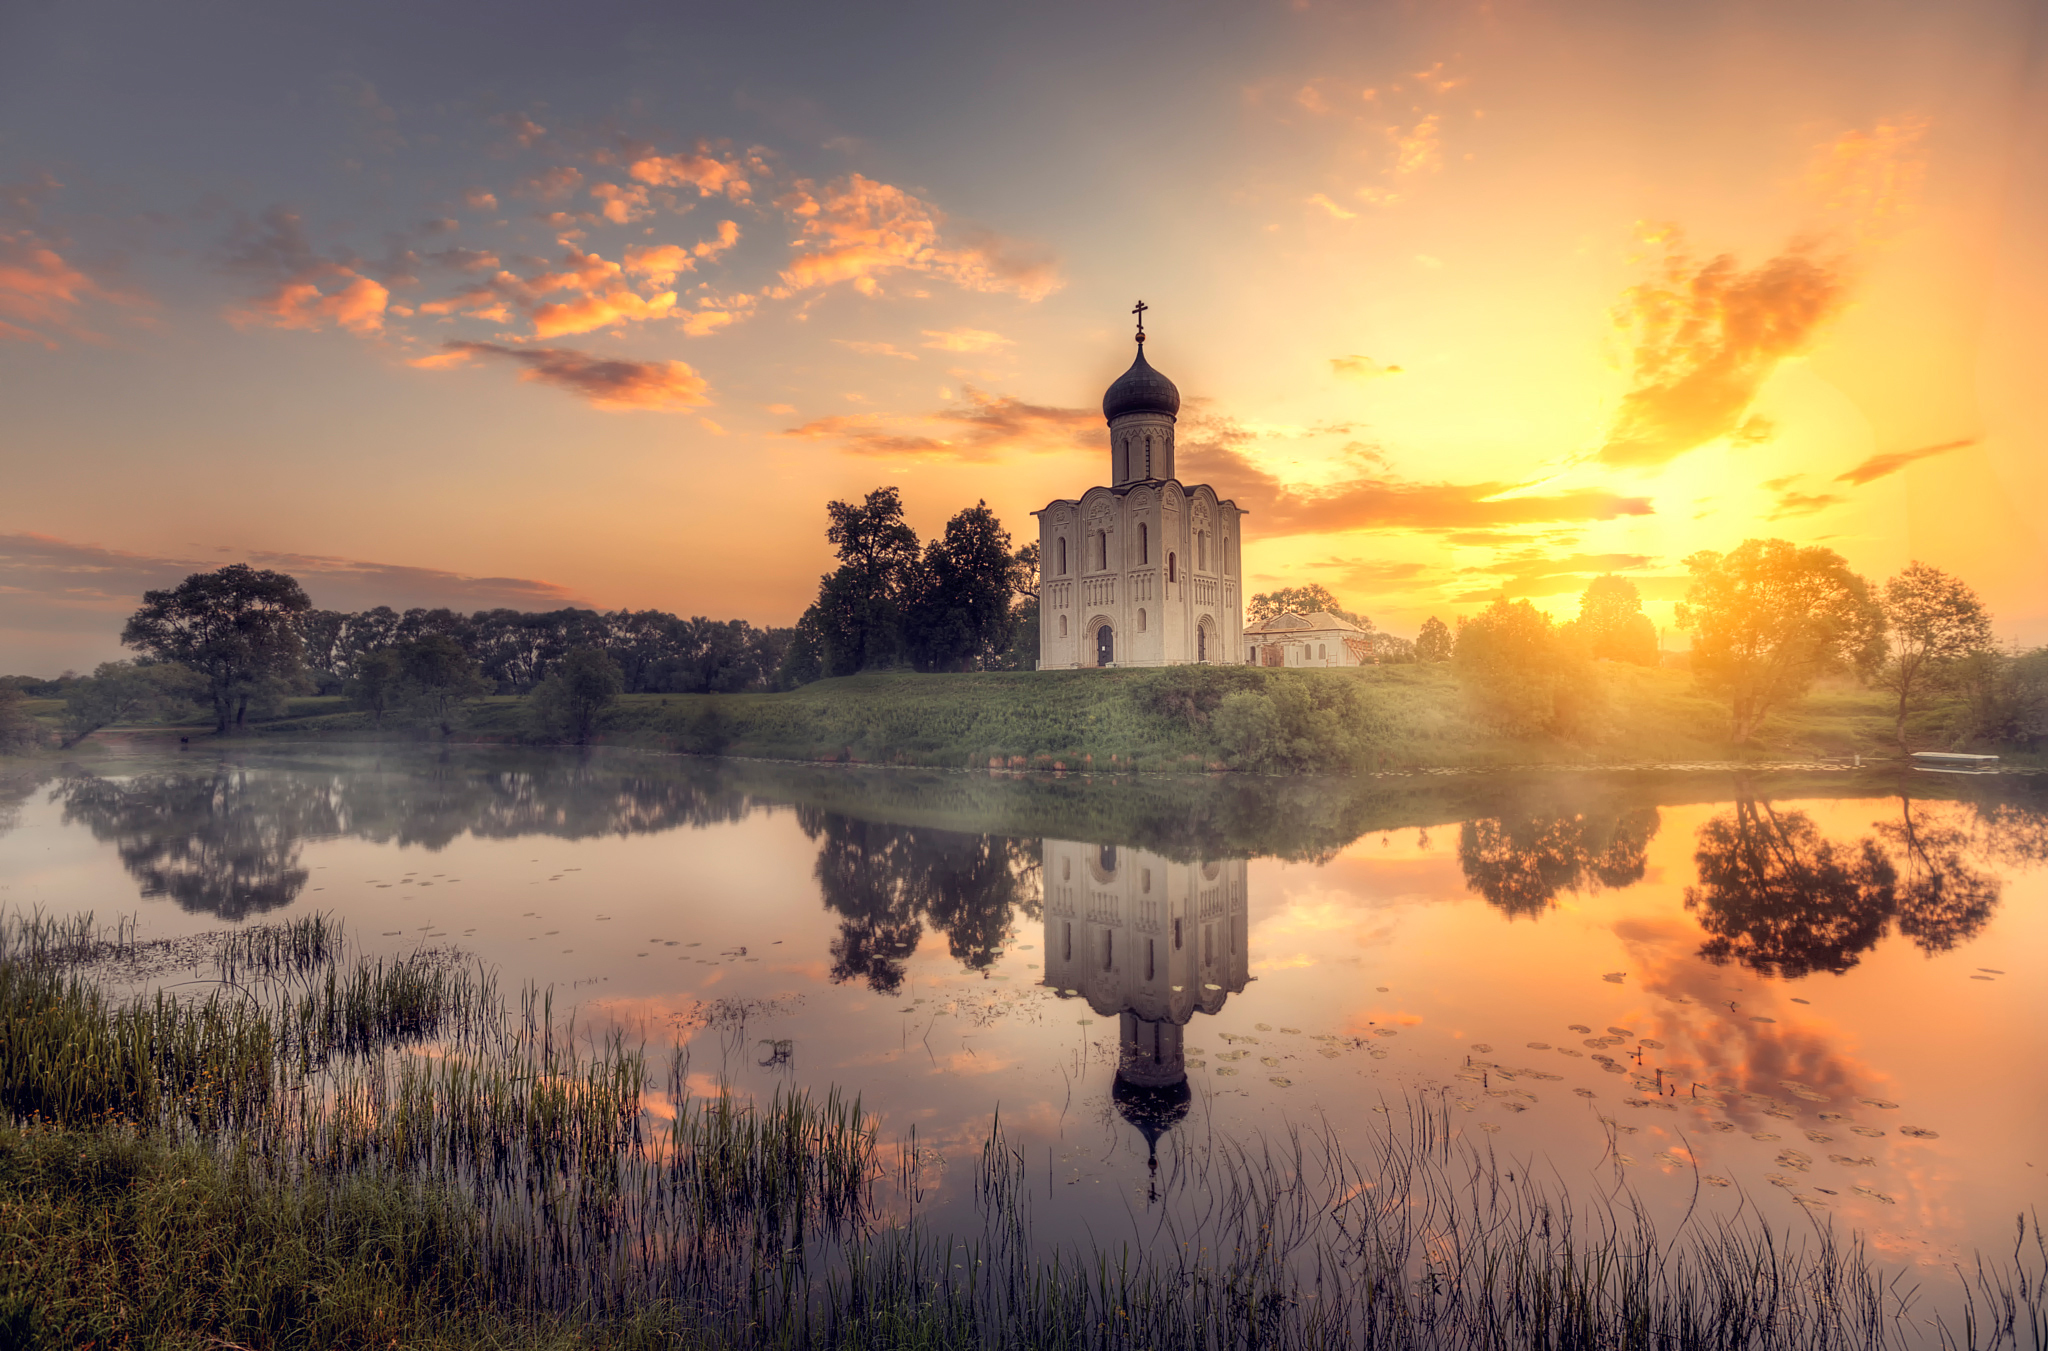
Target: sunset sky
<point>525,304</point>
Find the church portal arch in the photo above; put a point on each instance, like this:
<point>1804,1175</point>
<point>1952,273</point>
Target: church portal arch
<point>1100,648</point>
<point>1205,639</point>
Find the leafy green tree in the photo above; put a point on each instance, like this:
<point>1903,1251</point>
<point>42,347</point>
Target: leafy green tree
<point>238,627</point>
<point>441,681</point>
<point>121,691</point>
<point>1296,726</point>
<point>1769,617</point>
<point>377,683</point>
<point>1301,600</point>
<point>1932,622</point>
<point>1524,675</point>
<point>19,731</point>
<point>957,603</point>
<point>2005,697</point>
<point>859,606</point>
<point>1612,624</point>
<point>574,697</point>
<point>1434,642</point>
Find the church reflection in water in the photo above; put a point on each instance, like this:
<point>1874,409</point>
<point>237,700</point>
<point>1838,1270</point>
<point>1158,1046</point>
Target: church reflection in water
<point>1150,942</point>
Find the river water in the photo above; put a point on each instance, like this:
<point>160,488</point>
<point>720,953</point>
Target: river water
<point>1815,995</point>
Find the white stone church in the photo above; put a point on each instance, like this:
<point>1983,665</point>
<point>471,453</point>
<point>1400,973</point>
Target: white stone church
<point>1145,571</point>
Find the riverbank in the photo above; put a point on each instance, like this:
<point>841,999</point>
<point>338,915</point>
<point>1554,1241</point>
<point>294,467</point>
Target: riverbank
<point>1373,719</point>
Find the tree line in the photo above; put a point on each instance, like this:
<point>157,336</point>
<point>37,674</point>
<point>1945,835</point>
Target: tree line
<point>1767,620</point>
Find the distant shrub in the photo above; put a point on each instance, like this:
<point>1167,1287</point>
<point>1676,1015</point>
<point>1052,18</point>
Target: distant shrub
<point>1296,725</point>
<point>1191,694</point>
<point>1523,675</point>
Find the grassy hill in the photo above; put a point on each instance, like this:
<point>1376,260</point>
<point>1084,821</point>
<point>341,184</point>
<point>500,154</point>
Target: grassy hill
<point>1407,717</point>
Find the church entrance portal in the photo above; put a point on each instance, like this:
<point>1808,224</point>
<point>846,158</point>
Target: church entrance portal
<point>1105,646</point>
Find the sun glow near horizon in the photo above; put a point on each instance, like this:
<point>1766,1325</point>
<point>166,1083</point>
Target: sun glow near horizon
<point>1476,303</point>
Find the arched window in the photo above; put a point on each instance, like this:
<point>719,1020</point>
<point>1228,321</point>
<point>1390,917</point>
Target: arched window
<point>1063,626</point>
<point>1141,621</point>
<point>1323,651</point>
<point>1172,569</point>
<point>1150,972</point>
<point>1063,555</point>
<point>1109,951</point>
<point>1202,551</point>
<point>1102,549</point>
<point>1144,544</point>
<point>1068,934</point>
<point>1176,935</point>
<point>1066,870</point>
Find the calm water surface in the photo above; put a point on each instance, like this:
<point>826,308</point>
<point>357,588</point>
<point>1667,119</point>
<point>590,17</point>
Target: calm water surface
<point>1817,995</point>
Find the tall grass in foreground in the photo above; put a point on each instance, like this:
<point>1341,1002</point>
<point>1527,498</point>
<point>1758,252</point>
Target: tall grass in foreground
<point>330,1151</point>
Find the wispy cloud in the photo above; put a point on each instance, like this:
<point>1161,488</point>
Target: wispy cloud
<point>964,340</point>
<point>612,383</point>
<point>979,429</point>
<point>1383,501</point>
<point>876,349</point>
<point>1705,337</point>
<point>1891,462</point>
<point>62,601</point>
<point>1360,368</point>
<point>857,230</point>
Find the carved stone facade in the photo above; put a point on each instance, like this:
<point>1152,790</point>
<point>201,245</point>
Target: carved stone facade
<point>1145,571</point>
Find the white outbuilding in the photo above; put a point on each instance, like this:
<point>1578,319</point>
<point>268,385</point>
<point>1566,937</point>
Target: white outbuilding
<point>1318,639</point>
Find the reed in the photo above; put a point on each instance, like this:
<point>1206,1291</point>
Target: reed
<point>325,1149</point>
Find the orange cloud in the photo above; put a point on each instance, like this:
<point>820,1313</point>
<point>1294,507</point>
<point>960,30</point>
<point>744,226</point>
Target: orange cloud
<point>1418,150</point>
<point>356,303</point>
<point>964,340</point>
<point>1386,503</point>
<point>1872,177</point>
<point>614,384</point>
<point>622,206</point>
<point>1877,466</point>
<point>41,293</point>
<point>858,229</point>
<point>1360,368</point>
<point>876,349</point>
<point>599,310</point>
<point>982,429</point>
<point>1322,200</point>
<point>552,185</point>
<point>1706,336</point>
<point>705,172</point>
<point>480,200</point>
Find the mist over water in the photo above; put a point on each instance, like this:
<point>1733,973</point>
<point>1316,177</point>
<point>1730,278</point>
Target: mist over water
<point>1811,996</point>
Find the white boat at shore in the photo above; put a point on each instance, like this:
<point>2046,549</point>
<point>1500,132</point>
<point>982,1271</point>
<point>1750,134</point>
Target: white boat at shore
<point>1953,762</point>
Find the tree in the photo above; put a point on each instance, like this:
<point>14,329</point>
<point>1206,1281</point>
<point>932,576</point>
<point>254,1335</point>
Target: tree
<point>19,732</point>
<point>573,699</point>
<point>859,605</point>
<point>238,627</point>
<point>1769,617</point>
<point>1523,674</point>
<point>1301,600</point>
<point>1932,622</point>
<point>1434,642</point>
<point>441,680</point>
<point>121,691</point>
<point>956,611</point>
<point>377,683</point>
<point>2005,697</point>
<point>1612,624</point>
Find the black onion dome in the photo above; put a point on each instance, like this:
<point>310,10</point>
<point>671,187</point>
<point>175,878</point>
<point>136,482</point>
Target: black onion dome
<point>1140,390</point>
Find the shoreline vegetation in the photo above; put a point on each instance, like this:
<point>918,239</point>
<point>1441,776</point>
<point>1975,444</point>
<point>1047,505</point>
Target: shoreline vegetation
<point>1375,719</point>
<point>333,1150</point>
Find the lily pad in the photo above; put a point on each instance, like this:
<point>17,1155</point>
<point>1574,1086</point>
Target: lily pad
<point>1919,1132</point>
<point>1871,1131</point>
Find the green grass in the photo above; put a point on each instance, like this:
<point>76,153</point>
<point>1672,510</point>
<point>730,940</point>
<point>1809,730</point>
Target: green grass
<point>508,1185</point>
<point>1155,720</point>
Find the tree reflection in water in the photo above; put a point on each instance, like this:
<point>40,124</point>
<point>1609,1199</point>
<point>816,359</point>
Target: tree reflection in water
<point>226,843</point>
<point>886,882</point>
<point>1521,864</point>
<point>225,839</point>
<point>1781,899</point>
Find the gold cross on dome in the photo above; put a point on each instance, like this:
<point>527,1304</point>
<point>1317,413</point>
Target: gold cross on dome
<point>1139,310</point>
